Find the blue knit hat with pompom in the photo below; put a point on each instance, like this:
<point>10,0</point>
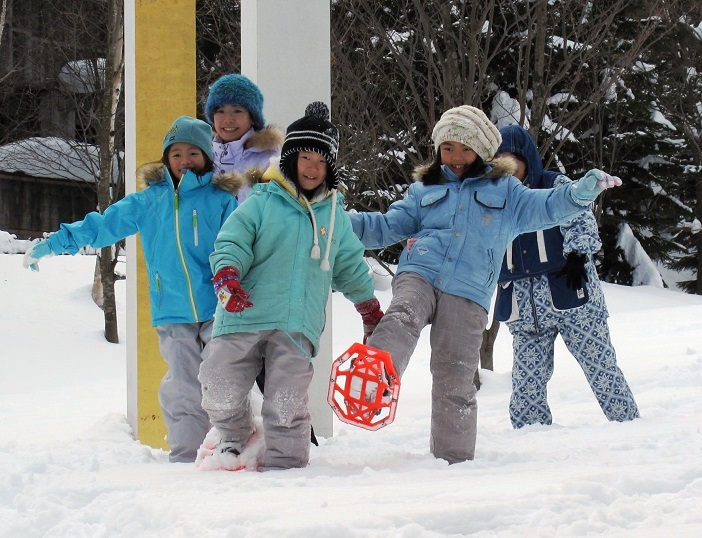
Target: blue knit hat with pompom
<point>313,132</point>
<point>236,90</point>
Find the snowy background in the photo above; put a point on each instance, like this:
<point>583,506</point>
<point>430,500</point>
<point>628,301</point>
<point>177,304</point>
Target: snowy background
<point>70,468</point>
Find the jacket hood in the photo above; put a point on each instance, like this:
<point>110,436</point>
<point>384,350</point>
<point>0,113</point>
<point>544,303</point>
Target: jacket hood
<point>269,138</point>
<point>498,167</point>
<point>517,140</point>
<point>155,172</point>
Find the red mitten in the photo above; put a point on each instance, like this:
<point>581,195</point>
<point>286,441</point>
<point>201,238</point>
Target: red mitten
<point>229,292</point>
<point>371,314</point>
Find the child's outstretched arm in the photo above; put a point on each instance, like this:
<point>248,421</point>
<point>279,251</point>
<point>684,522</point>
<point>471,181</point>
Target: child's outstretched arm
<point>588,188</point>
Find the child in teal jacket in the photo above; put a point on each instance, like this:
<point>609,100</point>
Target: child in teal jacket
<point>275,261</point>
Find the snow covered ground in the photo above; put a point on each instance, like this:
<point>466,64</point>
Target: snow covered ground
<point>70,468</point>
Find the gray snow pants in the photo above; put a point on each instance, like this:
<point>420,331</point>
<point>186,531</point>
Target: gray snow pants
<point>457,326</point>
<point>181,346</point>
<point>228,372</point>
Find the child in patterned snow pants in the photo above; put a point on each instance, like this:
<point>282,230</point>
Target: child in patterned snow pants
<point>586,335</point>
<point>549,286</point>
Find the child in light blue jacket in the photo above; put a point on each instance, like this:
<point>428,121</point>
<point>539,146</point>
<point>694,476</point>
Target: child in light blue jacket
<point>463,210</point>
<point>178,214</point>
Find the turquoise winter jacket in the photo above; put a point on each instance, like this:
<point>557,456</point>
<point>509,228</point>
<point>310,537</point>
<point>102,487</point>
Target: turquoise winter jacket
<point>269,239</point>
<point>178,229</point>
<point>463,227</point>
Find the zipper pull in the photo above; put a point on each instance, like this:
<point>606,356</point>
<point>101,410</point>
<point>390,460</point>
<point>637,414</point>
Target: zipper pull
<point>195,225</point>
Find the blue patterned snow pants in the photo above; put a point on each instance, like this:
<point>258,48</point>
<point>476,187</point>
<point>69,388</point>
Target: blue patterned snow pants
<point>586,335</point>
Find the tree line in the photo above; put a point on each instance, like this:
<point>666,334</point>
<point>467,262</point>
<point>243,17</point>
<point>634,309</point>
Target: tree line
<point>615,84</point>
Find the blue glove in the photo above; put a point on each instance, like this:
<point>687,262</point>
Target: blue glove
<point>39,249</point>
<point>588,188</point>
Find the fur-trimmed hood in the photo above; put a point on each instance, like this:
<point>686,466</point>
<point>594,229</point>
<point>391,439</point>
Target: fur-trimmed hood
<point>155,172</point>
<point>270,138</point>
<point>254,150</point>
<point>498,167</point>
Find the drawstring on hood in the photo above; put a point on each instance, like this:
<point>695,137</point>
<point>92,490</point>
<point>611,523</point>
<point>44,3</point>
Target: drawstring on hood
<point>314,132</point>
<point>315,253</point>
<point>275,173</point>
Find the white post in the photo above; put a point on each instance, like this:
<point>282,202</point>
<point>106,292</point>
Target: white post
<point>130,187</point>
<point>285,50</point>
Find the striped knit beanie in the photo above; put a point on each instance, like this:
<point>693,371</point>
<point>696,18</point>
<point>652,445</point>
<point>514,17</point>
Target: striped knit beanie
<point>313,132</point>
<point>470,126</point>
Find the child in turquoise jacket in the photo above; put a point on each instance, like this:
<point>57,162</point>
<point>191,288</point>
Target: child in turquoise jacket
<point>178,214</point>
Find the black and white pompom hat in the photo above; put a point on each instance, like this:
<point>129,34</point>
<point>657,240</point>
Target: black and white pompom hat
<point>313,132</point>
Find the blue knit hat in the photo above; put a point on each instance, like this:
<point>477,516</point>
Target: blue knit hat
<point>192,131</point>
<point>236,90</point>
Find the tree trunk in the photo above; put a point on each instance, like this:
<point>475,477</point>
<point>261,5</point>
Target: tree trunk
<point>98,297</point>
<point>107,272</point>
<point>114,66</point>
<point>486,350</point>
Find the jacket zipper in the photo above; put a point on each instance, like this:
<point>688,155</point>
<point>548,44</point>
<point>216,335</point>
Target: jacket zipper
<point>182,258</point>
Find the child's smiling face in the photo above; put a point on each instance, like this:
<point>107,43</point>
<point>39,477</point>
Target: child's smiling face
<point>311,170</point>
<point>183,157</point>
<point>231,122</point>
<point>458,157</point>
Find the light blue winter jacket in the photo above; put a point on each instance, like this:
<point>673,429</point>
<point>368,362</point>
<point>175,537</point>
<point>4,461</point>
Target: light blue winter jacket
<point>178,230</point>
<point>269,239</point>
<point>254,149</point>
<point>463,227</point>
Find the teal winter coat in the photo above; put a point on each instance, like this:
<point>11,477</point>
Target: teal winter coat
<point>269,239</point>
<point>178,228</point>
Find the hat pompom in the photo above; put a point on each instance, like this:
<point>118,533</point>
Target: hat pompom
<point>318,109</point>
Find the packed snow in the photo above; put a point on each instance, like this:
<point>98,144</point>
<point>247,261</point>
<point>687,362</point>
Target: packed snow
<point>69,466</point>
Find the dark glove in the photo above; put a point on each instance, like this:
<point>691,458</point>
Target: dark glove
<point>229,292</point>
<point>371,314</point>
<point>574,270</point>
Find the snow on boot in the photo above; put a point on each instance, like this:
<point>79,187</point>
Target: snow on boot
<point>216,454</point>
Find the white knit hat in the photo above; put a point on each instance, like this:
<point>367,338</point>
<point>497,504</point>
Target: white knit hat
<point>470,126</point>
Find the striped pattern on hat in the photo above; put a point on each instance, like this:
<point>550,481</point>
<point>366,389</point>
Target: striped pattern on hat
<point>470,126</point>
<point>313,132</point>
